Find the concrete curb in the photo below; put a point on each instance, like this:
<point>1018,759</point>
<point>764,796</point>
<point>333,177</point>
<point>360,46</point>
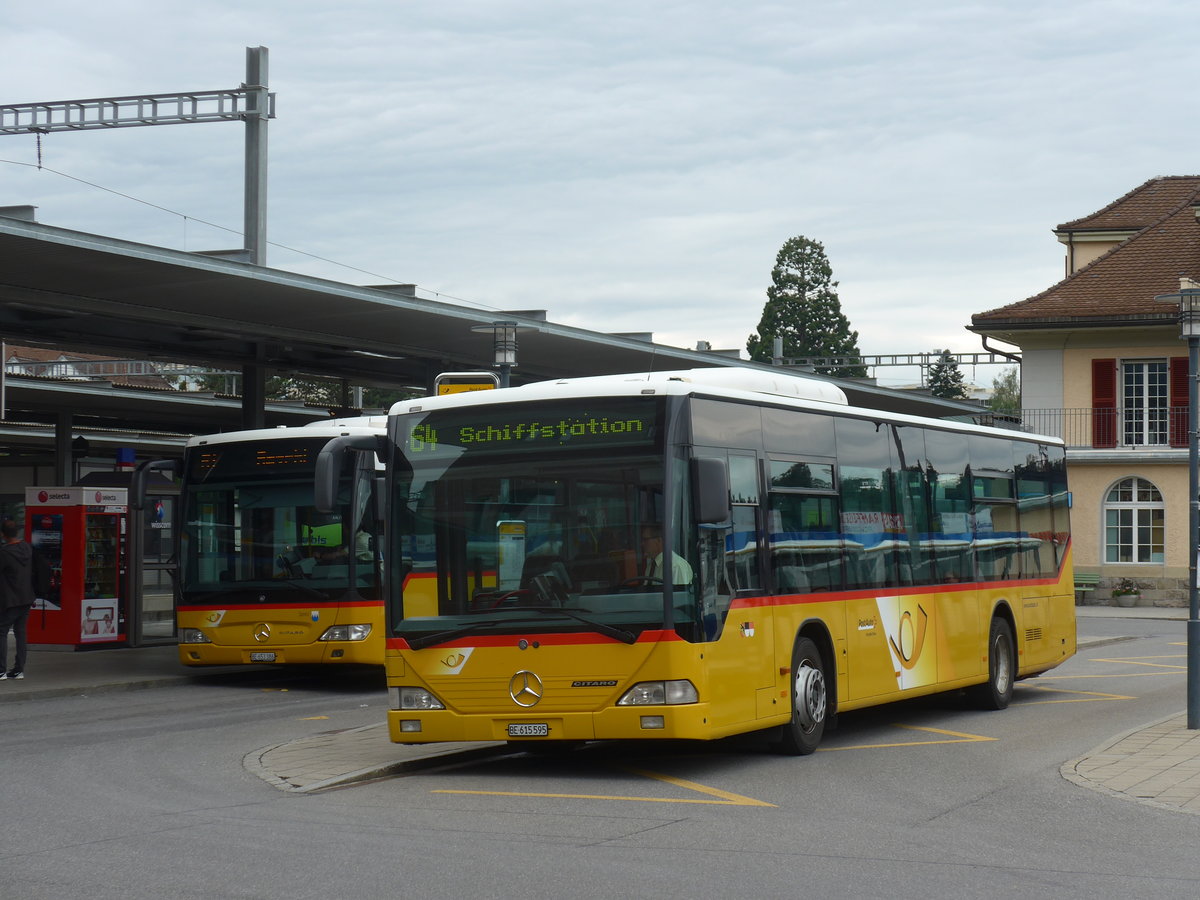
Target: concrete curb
<point>335,758</point>
<point>1113,765</point>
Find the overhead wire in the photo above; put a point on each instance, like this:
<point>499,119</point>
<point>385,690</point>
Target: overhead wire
<point>186,218</point>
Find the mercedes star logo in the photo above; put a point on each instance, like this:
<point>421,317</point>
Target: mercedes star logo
<point>525,688</point>
<point>261,632</point>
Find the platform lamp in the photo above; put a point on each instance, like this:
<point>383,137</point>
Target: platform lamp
<point>504,334</point>
<point>1188,301</point>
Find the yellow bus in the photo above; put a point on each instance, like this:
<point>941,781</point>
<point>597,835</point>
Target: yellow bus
<point>265,578</point>
<point>704,553</point>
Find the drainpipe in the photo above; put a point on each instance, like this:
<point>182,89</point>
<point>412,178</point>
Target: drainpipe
<point>1003,353</point>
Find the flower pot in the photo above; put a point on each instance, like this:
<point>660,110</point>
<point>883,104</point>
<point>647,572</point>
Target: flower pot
<point>1127,600</point>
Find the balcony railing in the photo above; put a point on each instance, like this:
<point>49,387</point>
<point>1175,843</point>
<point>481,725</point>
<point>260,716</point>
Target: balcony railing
<point>1143,429</point>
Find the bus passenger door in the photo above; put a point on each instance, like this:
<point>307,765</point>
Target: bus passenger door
<point>741,659</point>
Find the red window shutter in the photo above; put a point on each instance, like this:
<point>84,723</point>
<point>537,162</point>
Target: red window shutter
<point>1179,401</point>
<point>1104,403</point>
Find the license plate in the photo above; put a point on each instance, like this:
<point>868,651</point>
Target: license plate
<point>262,657</point>
<point>529,729</point>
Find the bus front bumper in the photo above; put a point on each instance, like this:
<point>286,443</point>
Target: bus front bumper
<point>295,654</point>
<point>689,722</point>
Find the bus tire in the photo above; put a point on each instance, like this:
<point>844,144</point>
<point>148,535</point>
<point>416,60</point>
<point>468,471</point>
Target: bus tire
<point>997,691</point>
<point>809,700</point>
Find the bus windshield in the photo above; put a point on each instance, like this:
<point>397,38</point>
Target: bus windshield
<point>560,529</point>
<point>250,524</point>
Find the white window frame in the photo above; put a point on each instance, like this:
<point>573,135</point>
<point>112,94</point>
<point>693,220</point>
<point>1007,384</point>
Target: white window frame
<point>1149,413</point>
<point>1137,514</point>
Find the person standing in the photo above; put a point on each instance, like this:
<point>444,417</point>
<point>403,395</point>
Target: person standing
<point>16,596</point>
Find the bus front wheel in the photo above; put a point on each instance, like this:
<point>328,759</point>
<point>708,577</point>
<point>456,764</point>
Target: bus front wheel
<point>803,733</point>
<point>997,691</point>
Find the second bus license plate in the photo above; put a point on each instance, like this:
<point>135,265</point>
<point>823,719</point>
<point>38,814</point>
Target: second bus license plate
<point>529,729</point>
<point>262,657</point>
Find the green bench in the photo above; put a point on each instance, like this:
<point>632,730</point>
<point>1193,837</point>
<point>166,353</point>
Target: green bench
<point>1085,583</point>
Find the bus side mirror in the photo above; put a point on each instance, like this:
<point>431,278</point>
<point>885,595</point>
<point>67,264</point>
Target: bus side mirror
<point>379,494</point>
<point>710,490</point>
<point>173,468</point>
<point>329,465</point>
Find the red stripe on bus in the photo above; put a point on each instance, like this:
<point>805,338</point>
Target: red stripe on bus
<point>549,639</point>
<point>324,605</point>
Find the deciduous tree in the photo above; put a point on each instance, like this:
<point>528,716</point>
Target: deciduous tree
<point>1006,391</point>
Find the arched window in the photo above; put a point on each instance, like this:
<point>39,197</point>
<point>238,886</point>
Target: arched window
<point>1133,522</point>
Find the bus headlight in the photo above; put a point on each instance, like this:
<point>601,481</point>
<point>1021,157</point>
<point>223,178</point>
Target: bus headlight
<point>346,633</point>
<point>193,636</point>
<point>413,698</point>
<point>660,693</point>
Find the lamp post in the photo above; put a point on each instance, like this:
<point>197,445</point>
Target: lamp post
<point>504,346</point>
<point>1188,300</point>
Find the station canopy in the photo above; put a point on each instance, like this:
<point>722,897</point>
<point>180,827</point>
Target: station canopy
<point>93,294</point>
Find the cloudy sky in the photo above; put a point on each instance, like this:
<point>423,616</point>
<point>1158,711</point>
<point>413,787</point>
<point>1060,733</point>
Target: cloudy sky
<point>627,166</point>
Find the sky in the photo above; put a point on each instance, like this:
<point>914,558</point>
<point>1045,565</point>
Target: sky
<point>626,166</point>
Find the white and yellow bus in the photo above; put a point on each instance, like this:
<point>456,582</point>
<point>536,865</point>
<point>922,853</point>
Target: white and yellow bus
<point>822,558</point>
<point>265,578</point>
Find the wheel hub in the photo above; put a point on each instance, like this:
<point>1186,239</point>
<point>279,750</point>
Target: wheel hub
<point>810,697</point>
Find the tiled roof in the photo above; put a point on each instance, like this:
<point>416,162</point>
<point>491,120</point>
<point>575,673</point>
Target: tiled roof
<point>1120,286</point>
<point>1145,204</point>
<point>47,354</point>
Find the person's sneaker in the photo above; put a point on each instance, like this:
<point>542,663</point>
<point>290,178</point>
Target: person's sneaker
<point>3,676</point>
<point>15,674</point>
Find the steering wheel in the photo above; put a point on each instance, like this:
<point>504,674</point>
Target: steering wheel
<point>496,600</point>
<point>640,581</point>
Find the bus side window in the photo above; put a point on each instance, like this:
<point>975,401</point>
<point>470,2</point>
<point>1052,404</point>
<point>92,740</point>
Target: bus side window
<point>742,545</point>
<point>806,548</point>
<point>716,593</point>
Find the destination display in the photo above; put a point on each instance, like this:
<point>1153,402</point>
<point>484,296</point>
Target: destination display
<point>505,428</point>
<point>245,459</point>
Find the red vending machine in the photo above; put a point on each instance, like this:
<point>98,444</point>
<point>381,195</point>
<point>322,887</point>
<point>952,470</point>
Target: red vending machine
<point>81,531</point>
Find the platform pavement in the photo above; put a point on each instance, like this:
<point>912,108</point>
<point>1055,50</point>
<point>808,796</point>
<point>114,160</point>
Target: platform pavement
<point>1157,764</point>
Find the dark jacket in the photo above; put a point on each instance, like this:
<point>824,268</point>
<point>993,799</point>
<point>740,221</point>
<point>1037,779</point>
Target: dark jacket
<point>16,575</point>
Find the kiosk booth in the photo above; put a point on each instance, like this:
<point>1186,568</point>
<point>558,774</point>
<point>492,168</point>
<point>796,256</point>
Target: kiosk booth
<point>82,532</point>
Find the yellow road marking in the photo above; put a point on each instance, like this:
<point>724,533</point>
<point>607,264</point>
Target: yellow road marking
<point>1086,696</point>
<point>313,718</point>
<point>725,798</point>
<point>1139,661</point>
<point>956,737</point>
<point>732,799</point>
<point>1109,675</point>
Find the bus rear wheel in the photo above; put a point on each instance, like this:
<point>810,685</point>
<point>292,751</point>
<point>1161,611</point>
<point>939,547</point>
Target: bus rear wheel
<point>997,691</point>
<point>803,733</point>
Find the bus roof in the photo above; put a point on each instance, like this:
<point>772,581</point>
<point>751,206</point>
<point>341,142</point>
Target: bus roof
<point>321,428</point>
<point>728,382</point>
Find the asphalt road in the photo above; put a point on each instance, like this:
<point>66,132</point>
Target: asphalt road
<point>144,794</point>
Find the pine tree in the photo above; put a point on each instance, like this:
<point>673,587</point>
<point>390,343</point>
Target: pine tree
<point>803,309</point>
<point>945,380</point>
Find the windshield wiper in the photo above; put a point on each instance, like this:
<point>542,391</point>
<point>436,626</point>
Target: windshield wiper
<point>440,637</point>
<point>612,631</point>
<point>304,587</point>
